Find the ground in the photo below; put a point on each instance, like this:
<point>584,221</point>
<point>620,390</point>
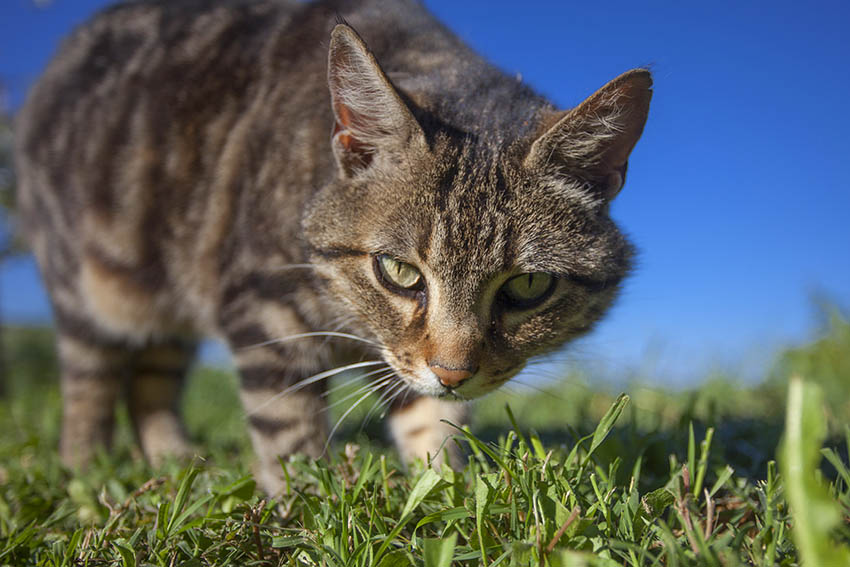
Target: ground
<point>569,475</point>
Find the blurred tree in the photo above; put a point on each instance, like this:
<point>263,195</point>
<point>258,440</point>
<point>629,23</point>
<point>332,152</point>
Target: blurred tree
<point>10,243</point>
<point>824,361</point>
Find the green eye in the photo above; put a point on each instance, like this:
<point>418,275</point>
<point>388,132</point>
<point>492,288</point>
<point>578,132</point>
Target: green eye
<point>528,290</point>
<point>397,273</point>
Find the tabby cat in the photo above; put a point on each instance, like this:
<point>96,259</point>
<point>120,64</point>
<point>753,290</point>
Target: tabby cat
<point>319,198</point>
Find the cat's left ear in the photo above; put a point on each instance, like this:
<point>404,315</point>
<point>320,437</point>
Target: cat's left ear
<point>371,119</point>
<point>593,140</point>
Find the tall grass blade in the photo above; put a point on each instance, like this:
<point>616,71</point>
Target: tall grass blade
<point>607,423</point>
<point>439,552</point>
<point>814,514</point>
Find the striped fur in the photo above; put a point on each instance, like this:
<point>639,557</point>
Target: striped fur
<point>232,168</point>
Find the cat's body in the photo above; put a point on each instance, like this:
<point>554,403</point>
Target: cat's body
<point>206,168</point>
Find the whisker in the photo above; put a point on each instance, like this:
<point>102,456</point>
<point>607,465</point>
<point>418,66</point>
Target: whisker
<point>313,379</point>
<point>340,420</point>
<point>330,391</point>
<point>537,389</point>
<point>305,335</point>
<point>406,392</point>
<point>371,387</point>
<point>384,399</point>
<point>293,267</point>
<point>337,325</point>
<point>387,404</point>
<point>544,379</point>
<point>509,390</point>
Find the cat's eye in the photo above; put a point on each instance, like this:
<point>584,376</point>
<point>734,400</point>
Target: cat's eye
<point>528,290</point>
<point>398,275</point>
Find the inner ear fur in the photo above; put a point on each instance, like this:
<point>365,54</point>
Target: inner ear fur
<point>369,115</point>
<point>593,140</point>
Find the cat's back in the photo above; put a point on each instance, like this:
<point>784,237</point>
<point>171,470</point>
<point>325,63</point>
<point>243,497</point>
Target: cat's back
<point>122,139</point>
<point>148,92</point>
<point>167,138</point>
<point>171,63</point>
<point>170,138</point>
<point>162,39</point>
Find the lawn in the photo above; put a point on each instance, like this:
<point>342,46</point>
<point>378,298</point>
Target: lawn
<point>570,475</point>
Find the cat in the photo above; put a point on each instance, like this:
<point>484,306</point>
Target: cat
<point>323,186</point>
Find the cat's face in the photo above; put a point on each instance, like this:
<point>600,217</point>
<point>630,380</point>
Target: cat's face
<point>461,259</point>
<point>466,264</point>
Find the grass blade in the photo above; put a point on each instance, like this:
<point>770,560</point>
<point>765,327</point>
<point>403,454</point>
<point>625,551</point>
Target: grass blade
<point>815,515</point>
<point>607,423</point>
<point>439,552</point>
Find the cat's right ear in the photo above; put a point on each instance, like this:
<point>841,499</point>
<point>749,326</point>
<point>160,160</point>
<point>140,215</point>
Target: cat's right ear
<point>371,119</point>
<point>593,140</point>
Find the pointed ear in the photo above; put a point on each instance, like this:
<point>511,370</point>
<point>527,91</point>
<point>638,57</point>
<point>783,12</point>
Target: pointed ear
<point>593,140</point>
<point>370,116</point>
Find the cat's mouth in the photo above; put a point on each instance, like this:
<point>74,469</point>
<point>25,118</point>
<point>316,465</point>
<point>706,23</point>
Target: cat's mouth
<point>479,386</point>
<point>427,383</point>
<point>450,394</point>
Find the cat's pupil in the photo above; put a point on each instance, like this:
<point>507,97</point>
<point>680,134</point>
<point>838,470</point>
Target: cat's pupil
<point>399,273</point>
<point>528,290</point>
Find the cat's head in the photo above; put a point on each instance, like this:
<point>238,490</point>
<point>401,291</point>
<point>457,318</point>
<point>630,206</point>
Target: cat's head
<point>460,256</point>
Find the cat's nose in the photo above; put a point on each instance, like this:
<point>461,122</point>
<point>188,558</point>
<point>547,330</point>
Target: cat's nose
<point>451,378</point>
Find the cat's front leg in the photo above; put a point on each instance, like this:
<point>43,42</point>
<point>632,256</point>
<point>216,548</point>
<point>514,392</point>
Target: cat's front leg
<point>282,426</point>
<point>284,416</point>
<point>284,407</point>
<point>420,431</point>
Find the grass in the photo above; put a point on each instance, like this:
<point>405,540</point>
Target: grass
<point>570,476</point>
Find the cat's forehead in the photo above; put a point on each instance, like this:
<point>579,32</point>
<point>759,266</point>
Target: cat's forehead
<point>470,211</point>
<point>485,214</point>
<point>474,217</point>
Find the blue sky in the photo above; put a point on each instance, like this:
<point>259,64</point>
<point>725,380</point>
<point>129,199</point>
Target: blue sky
<point>737,193</point>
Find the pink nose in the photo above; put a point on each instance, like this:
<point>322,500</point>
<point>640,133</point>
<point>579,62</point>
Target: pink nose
<point>450,378</point>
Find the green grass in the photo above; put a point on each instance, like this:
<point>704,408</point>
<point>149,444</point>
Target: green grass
<point>568,476</point>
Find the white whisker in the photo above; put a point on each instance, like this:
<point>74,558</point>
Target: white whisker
<point>313,379</point>
<point>371,387</point>
<point>394,397</point>
<point>339,421</point>
<point>380,402</point>
<point>536,388</point>
<point>292,267</point>
<point>387,404</point>
<point>509,390</point>
<point>338,324</point>
<point>406,392</point>
<point>384,401</point>
<point>305,335</point>
<point>330,391</point>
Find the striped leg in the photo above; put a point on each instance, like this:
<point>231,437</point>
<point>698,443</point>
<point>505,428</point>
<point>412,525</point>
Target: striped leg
<point>92,375</point>
<point>266,338</point>
<point>154,390</point>
<point>419,433</point>
<point>280,424</point>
